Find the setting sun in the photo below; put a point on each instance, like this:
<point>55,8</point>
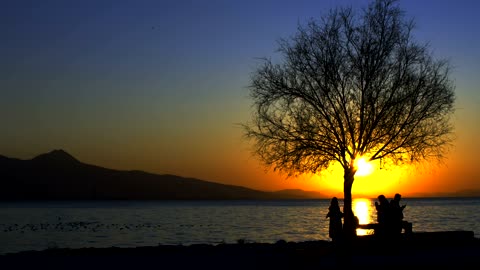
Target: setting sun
<point>364,167</point>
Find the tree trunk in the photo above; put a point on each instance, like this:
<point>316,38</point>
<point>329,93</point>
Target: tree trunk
<point>349,219</point>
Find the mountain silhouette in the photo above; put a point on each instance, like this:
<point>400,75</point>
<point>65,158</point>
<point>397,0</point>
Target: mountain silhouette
<point>57,175</point>
<point>56,157</point>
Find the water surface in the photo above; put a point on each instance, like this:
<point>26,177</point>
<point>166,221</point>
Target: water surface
<point>74,224</point>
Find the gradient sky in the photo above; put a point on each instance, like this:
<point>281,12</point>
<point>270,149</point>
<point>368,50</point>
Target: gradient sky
<point>160,86</point>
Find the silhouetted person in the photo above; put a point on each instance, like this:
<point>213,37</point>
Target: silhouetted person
<point>396,214</point>
<point>383,208</point>
<point>383,214</point>
<point>335,225</point>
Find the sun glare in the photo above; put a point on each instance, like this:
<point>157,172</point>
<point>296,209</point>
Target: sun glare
<point>364,167</point>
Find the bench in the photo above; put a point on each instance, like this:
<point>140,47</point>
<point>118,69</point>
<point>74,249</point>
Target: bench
<point>406,227</point>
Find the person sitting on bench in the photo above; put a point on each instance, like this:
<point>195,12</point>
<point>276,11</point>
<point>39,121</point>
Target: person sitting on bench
<point>396,214</point>
<point>383,214</point>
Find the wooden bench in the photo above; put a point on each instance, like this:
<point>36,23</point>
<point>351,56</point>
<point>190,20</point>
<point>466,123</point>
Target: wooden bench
<point>406,227</point>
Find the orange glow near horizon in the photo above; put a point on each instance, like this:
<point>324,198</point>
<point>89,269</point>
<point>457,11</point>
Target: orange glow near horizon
<point>378,181</point>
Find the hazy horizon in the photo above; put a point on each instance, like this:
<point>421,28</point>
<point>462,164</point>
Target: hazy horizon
<point>323,194</point>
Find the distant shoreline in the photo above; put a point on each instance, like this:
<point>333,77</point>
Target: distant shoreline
<point>240,199</point>
<point>57,175</point>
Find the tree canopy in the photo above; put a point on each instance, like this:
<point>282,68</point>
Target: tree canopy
<point>348,85</point>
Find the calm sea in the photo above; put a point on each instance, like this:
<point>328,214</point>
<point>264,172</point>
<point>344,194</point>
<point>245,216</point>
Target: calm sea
<point>76,224</point>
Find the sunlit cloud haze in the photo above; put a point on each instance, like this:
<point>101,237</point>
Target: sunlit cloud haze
<point>161,86</point>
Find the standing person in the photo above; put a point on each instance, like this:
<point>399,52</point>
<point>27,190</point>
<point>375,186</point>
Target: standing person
<point>335,226</point>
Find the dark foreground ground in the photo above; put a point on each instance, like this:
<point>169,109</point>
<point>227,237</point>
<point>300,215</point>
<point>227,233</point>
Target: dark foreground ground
<point>458,250</point>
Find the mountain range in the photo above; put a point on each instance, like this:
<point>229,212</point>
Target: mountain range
<point>57,175</point>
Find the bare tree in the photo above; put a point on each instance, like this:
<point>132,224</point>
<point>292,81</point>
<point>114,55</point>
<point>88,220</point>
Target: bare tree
<point>348,86</point>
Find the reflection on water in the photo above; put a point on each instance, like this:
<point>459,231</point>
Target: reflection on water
<point>76,224</point>
<point>365,211</point>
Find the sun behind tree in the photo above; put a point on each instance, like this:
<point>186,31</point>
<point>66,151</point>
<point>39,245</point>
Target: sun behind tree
<point>364,167</point>
<point>348,86</point>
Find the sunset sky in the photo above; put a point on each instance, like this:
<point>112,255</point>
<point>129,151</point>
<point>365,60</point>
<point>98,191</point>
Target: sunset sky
<point>161,86</point>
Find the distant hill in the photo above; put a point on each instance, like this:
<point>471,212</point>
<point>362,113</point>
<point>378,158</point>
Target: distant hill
<point>299,193</point>
<point>59,176</point>
<point>459,193</point>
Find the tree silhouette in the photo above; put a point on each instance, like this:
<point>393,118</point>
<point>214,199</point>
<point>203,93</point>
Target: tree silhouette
<point>347,86</point>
